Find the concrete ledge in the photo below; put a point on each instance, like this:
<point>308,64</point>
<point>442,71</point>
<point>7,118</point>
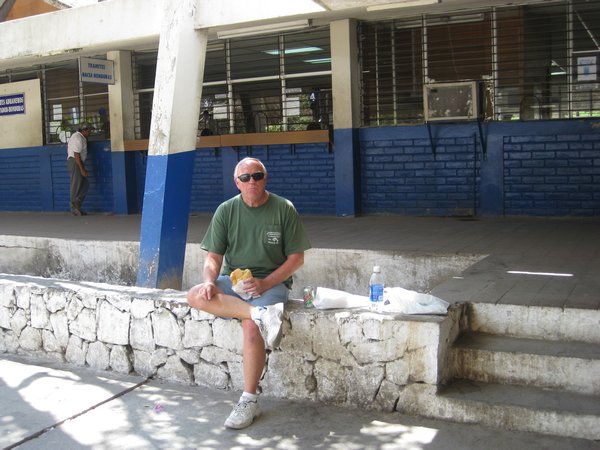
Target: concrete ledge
<point>116,262</point>
<point>248,139</point>
<point>523,408</point>
<point>565,365</point>
<point>348,357</point>
<point>536,322</point>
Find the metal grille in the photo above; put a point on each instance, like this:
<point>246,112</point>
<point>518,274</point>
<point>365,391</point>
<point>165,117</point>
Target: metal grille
<point>254,84</point>
<point>67,103</point>
<point>530,62</point>
<point>70,103</point>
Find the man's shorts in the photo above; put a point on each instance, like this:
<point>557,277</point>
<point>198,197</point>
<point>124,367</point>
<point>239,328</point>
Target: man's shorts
<point>277,294</point>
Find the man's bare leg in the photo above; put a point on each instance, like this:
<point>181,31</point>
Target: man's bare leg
<point>221,305</point>
<point>254,356</point>
<point>253,350</point>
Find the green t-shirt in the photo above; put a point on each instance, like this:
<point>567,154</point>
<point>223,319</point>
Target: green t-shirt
<point>259,239</point>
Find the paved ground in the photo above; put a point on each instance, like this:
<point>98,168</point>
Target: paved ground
<point>530,261</point>
<point>52,406</point>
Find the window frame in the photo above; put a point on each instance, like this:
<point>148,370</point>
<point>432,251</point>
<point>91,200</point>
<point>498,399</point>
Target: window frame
<point>515,64</point>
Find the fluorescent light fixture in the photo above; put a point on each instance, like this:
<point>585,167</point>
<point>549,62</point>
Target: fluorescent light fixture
<point>439,20</point>
<point>215,46</point>
<point>557,69</point>
<point>547,274</point>
<point>293,51</point>
<point>405,4</point>
<point>264,29</point>
<point>318,61</point>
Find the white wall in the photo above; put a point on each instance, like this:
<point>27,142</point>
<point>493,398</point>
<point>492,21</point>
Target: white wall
<point>22,130</point>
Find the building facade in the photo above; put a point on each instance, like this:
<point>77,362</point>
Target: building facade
<point>443,109</point>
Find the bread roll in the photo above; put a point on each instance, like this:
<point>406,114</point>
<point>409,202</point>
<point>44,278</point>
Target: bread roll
<point>240,275</point>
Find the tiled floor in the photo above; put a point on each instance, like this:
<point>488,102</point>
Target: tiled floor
<point>557,261</point>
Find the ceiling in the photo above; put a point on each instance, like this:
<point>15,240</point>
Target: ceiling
<point>363,9</point>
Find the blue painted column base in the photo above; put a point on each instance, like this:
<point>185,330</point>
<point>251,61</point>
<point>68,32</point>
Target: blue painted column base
<point>165,218</point>
<point>125,188</point>
<point>491,185</point>
<point>347,172</point>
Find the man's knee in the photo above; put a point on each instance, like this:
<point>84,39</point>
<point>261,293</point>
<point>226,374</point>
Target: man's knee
<point>195,298</point>
<point>251,331</point>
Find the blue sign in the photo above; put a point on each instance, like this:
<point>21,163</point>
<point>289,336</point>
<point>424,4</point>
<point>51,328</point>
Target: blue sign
<point>12,104</point>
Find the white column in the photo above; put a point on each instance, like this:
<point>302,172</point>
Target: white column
<point>178,84</point>
<point>120,101</point>
<point>121,116</point>
<point>345,74</point>
<point>173,133</point>
<point>345,83</point>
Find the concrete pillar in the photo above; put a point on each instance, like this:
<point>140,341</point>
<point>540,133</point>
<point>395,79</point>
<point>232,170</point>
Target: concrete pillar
<point>491,177</point>
<point>121,106</point>
<point>345,83</point>
<point>175,112</point>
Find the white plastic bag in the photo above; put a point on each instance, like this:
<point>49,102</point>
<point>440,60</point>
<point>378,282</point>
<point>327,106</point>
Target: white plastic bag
<point>239,290</point>
<point>403,301</point>
<point>332,299</point>
<point>395,300</point>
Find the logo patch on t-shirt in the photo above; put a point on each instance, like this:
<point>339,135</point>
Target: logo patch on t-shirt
<point>273,237</point>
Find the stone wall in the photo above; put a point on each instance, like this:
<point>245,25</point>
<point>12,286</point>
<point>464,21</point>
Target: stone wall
<point>346,357</point>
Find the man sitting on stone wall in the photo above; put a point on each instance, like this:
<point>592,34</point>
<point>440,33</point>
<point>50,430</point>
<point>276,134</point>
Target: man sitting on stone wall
<point>262,232</point>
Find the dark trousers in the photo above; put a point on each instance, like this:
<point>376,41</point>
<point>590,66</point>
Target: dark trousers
<point>79,185</point>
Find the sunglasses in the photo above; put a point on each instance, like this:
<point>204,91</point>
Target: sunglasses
<point>256,176</point>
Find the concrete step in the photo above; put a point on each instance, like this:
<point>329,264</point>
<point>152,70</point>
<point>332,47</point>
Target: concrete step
<point>522,408</point>
<point>567,365</point>
<point>536,322</point>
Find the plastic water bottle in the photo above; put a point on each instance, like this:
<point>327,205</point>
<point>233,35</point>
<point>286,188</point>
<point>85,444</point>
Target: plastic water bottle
<point>376,285</point>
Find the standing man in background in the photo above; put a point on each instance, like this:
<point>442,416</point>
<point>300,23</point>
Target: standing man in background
<point>76,156</point>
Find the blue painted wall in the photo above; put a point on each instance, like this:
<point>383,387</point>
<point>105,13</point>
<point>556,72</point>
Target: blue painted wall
<point>403,173</point>
<point>20,181</point>
<point>538,168</point>
<point>36,178</point>
<point>303,173</point>
<point>207,184</point>
<point>541,168</point>
<point>552,175</point>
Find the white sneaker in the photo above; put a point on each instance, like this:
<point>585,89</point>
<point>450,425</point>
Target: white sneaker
<point>243,414</point>
<point>269,321</point>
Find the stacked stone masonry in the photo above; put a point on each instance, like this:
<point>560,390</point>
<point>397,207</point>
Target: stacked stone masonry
<point>344,357</point>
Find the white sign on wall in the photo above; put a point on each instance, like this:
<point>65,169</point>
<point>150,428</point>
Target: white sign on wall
<point>586,68</point>
<point>292,106</point>
<point>21,114</point>
<point>93,70</point>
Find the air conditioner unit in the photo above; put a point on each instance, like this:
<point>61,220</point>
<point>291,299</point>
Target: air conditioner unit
<point>452,101</point>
